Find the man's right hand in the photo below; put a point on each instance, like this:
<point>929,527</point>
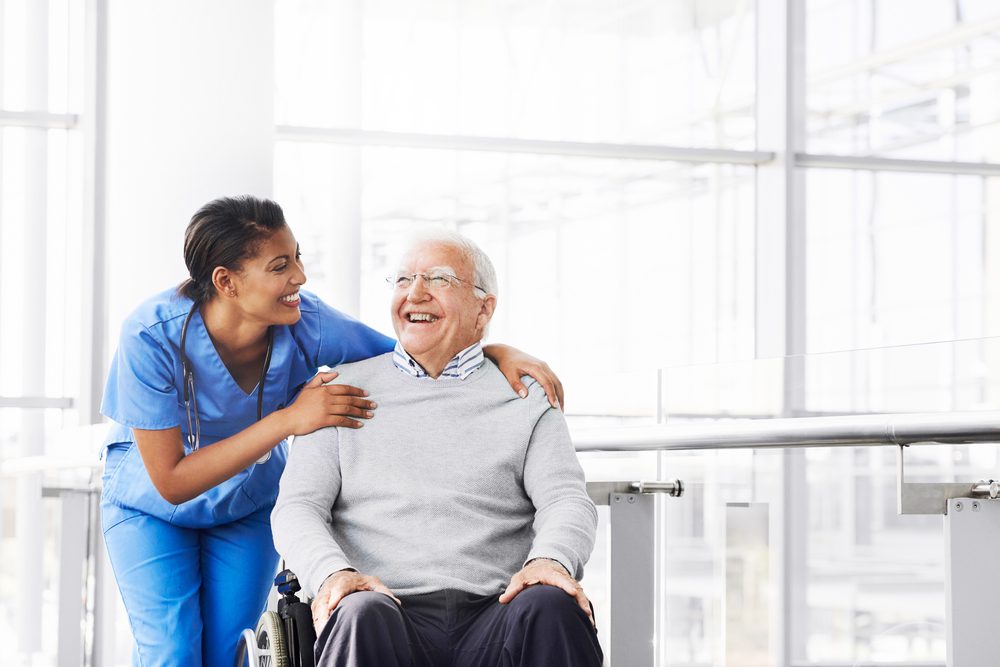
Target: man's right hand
<point>338,586</point>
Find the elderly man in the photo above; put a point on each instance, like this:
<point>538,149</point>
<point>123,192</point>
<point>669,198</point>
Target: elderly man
<point>452,528</point>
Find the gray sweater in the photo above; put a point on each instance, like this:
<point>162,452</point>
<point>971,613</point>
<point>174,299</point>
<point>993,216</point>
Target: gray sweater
<point>454,484</point>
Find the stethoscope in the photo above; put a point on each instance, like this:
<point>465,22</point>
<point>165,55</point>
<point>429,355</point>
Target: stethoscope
<point>191,398</point>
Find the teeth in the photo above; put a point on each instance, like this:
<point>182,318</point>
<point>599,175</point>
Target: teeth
<point>291,297</point>
<point>422,317</point>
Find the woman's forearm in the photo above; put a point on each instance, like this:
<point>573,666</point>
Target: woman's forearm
<point>179,477</point>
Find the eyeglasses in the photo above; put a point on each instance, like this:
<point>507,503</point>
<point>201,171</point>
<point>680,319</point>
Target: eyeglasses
<point>432,281</point>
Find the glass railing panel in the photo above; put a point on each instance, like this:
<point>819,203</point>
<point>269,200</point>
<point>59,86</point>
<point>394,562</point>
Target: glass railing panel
<point>863,583</point>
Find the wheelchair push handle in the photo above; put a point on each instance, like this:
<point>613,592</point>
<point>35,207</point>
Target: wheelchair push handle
<point>287,583</point>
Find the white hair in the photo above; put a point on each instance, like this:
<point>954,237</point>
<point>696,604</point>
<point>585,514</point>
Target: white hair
<point>484,275</point>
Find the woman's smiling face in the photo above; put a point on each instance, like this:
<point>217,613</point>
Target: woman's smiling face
<point>267,284</point>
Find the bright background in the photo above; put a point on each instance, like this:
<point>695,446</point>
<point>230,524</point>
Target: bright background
<point>699,209</point>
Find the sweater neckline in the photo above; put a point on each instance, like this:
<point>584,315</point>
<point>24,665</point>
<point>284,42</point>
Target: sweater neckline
<point>440,382</point>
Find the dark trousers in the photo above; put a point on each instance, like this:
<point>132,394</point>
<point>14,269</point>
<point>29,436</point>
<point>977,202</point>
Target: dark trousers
<point>542,626</point>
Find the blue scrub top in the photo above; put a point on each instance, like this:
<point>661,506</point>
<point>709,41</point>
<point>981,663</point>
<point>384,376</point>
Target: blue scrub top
<point>145,390</point>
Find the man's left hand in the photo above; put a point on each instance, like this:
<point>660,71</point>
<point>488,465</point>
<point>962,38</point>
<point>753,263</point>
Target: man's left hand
<point>550,572</point>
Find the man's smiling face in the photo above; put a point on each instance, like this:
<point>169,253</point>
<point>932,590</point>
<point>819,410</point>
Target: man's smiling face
<point>436,323</point>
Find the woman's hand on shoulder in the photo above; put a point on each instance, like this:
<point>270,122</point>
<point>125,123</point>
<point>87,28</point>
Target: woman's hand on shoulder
<point>319,405</point>
<point>514,364</point>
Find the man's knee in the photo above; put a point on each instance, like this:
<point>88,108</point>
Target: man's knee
<point>548,601</point>
<point>550,628</point>
<point>362,614</point>
<point>366,603</point>
<point>366,628</point>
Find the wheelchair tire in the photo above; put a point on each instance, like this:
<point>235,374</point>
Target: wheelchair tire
<point>300,623</point>
<point>272,649</point>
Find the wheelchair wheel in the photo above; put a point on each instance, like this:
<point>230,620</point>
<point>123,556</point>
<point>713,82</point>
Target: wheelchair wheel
<point>272,649</point>
<point>246,650</point>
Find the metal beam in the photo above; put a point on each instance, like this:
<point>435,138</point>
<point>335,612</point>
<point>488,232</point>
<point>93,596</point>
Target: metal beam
<point>35,402</point>
<point>356,137</point>
<point>869,163</point>
<point>37,119</point>
<point>852,431</point>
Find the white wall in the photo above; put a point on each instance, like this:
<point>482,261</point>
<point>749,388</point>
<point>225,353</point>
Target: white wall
<point>190,118</point>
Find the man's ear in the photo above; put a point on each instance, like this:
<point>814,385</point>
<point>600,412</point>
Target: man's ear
<point>486,307</point>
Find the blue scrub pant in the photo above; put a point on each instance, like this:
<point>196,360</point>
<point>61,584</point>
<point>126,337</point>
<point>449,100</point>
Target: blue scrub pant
<point>189,592</point>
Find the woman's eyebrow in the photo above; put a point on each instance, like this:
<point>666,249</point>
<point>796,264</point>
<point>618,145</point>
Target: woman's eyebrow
<point>275,259</point>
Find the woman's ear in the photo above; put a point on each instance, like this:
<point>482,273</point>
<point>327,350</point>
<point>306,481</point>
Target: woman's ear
<point>222,278</point>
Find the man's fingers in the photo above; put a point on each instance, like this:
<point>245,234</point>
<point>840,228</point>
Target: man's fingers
<point>559,580</point>
<point>568,585</point>
<point>515,586</point>
<point>375,584</point>
<point>382,588</point>
<point>321,610</point>
<point>333,601</point>
<point>584,602</point>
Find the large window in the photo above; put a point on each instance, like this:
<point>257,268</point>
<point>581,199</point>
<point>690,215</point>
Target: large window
<point>41,233</point>
<point>698,211</point>
<point>890,79</point>
<point>678,73</point>
<point>586,249</point>
<point>640,279</point>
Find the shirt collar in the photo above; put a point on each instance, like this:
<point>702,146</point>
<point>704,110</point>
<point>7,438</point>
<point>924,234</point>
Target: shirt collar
<point>461,365</point>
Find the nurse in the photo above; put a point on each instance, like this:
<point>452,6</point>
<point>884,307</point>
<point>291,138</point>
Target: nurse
<point>208,381</point>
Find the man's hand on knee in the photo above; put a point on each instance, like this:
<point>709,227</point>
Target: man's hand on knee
<point>338,586</point>
<point>550,572</point>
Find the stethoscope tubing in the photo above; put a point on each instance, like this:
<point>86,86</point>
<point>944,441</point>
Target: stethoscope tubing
<point>191,397</point>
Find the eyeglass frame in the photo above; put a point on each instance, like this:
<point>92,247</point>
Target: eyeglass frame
<point>393,280</point>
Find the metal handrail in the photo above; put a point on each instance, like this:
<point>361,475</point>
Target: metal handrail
<point>841,431</point>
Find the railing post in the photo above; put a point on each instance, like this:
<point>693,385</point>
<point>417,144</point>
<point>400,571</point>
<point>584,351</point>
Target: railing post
<point>972,541</point>
<point>73,564</point>
<point>632,594</point>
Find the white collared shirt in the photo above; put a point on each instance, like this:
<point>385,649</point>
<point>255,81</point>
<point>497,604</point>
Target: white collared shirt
<point>461,365</point>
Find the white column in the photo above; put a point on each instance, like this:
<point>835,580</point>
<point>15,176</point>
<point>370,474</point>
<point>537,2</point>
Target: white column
<point>342,255</point>
<point>780,294</point>
<point>29,516</point>
<point>93,348</point>
<point>190,118</point>
<point>182,113</point>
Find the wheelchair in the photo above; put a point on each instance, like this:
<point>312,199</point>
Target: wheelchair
<point>284,638</point>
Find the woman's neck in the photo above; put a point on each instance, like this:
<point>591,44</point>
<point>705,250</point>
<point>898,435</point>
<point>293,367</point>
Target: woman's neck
<point>234,335</point>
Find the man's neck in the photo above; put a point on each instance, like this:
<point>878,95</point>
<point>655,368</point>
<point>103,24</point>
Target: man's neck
<point>434,362</point>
